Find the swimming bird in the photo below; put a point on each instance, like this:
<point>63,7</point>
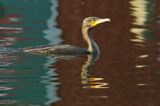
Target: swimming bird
<point>88,24</point>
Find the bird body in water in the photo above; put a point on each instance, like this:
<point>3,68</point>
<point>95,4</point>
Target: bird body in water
<point>88,23</point>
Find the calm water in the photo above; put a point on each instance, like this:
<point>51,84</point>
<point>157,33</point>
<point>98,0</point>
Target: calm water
<point>126,73</point>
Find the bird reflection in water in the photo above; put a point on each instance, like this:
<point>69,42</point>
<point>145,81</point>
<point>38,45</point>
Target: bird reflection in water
<point>88,81</point>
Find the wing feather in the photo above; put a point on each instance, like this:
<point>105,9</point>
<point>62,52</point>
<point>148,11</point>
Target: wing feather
<point>57,49</point>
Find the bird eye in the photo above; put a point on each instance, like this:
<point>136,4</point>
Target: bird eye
<point>94,20</point>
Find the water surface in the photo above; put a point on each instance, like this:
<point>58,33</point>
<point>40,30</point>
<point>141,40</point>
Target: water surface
<point>125,73</point>
<point>26,79</point>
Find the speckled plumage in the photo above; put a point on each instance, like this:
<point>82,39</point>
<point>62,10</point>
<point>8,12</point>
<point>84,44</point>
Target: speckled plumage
<point>57,50</point>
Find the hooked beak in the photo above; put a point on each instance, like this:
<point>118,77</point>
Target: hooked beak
<point>103,20</point>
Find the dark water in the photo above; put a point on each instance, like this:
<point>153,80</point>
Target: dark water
<point>126,73</point>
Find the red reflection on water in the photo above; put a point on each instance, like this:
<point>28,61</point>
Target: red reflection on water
<point>7,71</point>
<point>3,88</point>
<point>130,68</point>
<point>11,19</point>
<point>10,30</point>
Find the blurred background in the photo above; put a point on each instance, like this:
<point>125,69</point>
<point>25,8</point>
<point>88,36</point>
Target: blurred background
<point>126,73</point>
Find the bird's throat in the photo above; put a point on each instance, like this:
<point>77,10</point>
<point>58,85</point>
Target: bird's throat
<point>92,46</point>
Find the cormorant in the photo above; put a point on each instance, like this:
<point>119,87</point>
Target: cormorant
<point>88,23</point>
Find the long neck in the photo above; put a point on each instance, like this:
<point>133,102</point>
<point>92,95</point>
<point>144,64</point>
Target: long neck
<point>92,46</point>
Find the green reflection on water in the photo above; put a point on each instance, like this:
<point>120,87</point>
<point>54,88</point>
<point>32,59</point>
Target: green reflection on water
<point>26,79</point>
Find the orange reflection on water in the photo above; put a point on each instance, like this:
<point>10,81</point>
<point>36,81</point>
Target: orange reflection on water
<point>139,11</point>
<point>142,84</point>
<point>143,56</point>
<point>139,37</point>
<point>140,66</point>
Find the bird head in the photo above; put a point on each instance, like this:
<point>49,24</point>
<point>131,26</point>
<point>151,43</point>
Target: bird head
<point>90,22</point>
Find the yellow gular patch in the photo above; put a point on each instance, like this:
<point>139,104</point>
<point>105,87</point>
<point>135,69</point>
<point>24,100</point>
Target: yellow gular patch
<point>94,23</point>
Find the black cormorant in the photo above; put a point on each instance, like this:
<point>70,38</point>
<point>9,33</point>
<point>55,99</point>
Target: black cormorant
<point>88,23</point>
